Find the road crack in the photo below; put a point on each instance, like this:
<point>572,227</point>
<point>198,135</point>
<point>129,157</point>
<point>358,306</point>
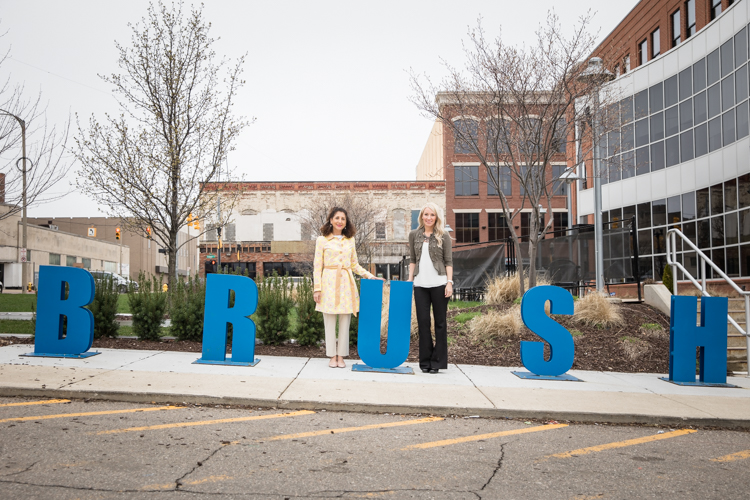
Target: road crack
<point>495,471</point>
<point>178,483</point>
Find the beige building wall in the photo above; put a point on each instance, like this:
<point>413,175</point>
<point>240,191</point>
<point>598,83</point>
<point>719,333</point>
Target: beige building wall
<point>48,247</point>
<point>144,253</point>
<point>430,166</point>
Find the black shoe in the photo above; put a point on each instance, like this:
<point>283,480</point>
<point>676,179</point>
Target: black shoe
<point>434,370</point>
<point>425,370</point>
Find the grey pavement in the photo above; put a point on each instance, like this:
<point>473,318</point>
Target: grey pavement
<point>308,383</point>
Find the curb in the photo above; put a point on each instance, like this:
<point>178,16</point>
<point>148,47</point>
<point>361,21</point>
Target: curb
<point>572,416</point>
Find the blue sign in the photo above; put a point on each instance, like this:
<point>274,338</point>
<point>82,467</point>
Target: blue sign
<point>710,338</point>
<point>399,327</point>
<point>561,347</point>
<point>218,315</point>
<point>54,308</point>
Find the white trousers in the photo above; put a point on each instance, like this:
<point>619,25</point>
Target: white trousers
<point>329,320</point>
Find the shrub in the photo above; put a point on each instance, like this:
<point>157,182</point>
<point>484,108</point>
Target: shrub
<point>148,305</point>
<point>666,278</point>
<point>634,348</point>
<point>493,325</point>
<point>310,329</point>
<point>104,307</point>
<point>596,310</point>
<point>188,299</point>
<point>274,304</point>
<point>507,289</point>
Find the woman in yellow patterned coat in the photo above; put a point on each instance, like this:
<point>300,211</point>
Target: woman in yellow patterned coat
<point>335,291</point>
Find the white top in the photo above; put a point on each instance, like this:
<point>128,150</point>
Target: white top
<point>428,276</point>
<point>338,236</point>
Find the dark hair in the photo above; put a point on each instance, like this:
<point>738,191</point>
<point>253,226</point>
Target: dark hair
<point>327,228</point>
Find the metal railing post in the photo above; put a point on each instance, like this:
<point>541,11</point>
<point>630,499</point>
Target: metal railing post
<point>747,338</point>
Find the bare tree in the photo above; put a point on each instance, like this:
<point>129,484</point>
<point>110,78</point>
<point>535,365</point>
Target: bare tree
<point>515,109</point>
<point>362,212</point>
<point>153,165</point>
<point>46,164</point>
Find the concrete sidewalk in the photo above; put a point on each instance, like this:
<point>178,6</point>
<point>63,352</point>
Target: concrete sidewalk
<point>308,383</point>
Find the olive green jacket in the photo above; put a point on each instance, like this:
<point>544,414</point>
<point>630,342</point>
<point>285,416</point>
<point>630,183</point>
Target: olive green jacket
<point>441,257</point>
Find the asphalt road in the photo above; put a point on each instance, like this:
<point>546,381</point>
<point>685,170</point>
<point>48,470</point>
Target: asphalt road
<point>95,450</point>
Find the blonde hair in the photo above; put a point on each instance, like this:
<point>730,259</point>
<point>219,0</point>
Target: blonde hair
<point>439,229</point>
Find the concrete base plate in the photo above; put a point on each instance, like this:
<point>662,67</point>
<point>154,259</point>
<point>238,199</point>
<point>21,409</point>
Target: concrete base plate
<point>227,361</point>
<point>564,378</point>
<point>404,370</point>
<point>68,356</point>
<point>697,383</point>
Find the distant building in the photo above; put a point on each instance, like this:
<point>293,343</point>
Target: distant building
<point>144,254</point>
<point>268,235</point>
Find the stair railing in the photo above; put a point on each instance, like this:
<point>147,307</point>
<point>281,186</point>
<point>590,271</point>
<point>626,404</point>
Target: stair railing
<point>672,235</point>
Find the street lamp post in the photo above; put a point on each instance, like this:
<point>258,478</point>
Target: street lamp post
<point>24,241</point>
<point>597,75</point>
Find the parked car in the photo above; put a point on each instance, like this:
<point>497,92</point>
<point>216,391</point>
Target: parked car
<point>1,287</point>
<point>121,282</point>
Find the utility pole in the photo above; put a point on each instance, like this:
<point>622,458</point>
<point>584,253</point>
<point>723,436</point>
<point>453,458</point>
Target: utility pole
<point>24,241</point>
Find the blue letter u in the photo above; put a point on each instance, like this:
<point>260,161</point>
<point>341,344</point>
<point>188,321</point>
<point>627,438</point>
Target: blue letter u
<point>399,324</point>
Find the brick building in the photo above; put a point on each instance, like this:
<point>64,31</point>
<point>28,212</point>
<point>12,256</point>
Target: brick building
<point>683,84</point>
<point>473,208</point>
<point>267,233</point>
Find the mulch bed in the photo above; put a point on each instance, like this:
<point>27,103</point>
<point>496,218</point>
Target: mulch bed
<point>643,350</point>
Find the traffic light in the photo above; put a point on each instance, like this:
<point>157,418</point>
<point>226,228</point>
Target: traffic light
<point>148,232</point>
<point>117,233</point>
<point>197,225</point>
<point>190,220</point>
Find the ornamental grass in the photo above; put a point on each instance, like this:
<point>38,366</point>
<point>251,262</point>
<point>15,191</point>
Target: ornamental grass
<point>595,309</point>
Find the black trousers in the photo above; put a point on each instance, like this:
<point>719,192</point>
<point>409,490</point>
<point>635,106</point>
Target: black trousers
<point>432,356</point>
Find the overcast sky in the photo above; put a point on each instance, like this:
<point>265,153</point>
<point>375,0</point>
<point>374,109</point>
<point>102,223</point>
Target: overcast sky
<point>327,80</point>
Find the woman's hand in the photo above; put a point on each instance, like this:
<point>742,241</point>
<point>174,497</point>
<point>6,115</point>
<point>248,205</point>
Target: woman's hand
<point>448,290</point>
<point>316,297</point>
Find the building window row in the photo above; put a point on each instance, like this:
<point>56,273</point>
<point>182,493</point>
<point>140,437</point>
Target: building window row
<point>697,111</point>
<point>466,180</point>
<point>716,219</point>
<point>467,226</point>
<point>498,135</point>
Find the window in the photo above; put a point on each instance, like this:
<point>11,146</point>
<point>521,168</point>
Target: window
<point>500,175</point>
<point>498,137</point>
<point>655,43</point>
<point>690,8</point>
<point>466,181</point>
<point>558,186</point>
<point>715,9</point>
<point>498,228</point>
<point>70,260</point>
<point>86,263</point>
<point>560,220</point>
<point>676,28</point>
<point>467,228</point>
<point>560,136</point>
<point>642,52</point>
<point>380,230</point>
<point>617,70</point>
<point>268,232</point>
<point>626,64</point>
<point>415,219</point>
<point>54,259</point>
<point>465,136</point>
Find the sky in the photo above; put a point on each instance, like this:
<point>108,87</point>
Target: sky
<point>326,81</point>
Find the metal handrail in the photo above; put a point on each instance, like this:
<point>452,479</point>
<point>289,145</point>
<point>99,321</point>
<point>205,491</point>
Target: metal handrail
<point>672,261</point>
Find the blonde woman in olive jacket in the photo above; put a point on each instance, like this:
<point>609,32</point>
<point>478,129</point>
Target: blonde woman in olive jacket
<point>431,270</point>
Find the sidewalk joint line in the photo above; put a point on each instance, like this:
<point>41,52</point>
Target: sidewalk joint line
<point>475,386</point>
<point>89,377</point>
<point>293,380</point>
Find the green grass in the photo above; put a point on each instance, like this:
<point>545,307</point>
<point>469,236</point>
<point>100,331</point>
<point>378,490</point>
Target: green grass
<point>651,326</point>
<point>16,302</point>
<point>632,340</point>
<point>16,326</point>
<point>466,316</point>
<point>463,304</point>
<point>576,333</point>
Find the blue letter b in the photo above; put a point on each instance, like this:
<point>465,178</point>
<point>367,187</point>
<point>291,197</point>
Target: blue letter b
<point>218,315</point>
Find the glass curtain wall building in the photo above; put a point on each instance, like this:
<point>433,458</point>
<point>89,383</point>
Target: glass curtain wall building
<point>681,155</point>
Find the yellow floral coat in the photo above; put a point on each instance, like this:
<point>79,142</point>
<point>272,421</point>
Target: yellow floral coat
<point>335,260</point>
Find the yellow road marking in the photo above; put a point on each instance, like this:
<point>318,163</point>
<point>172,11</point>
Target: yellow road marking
<point>209,479</point>
<point>740,455</point>
<point>205,422</point>
<point>88,414</point>
<point>47,402</point>
<point>478,437</point>
<point>353,429</point>
<point>622,444</point>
